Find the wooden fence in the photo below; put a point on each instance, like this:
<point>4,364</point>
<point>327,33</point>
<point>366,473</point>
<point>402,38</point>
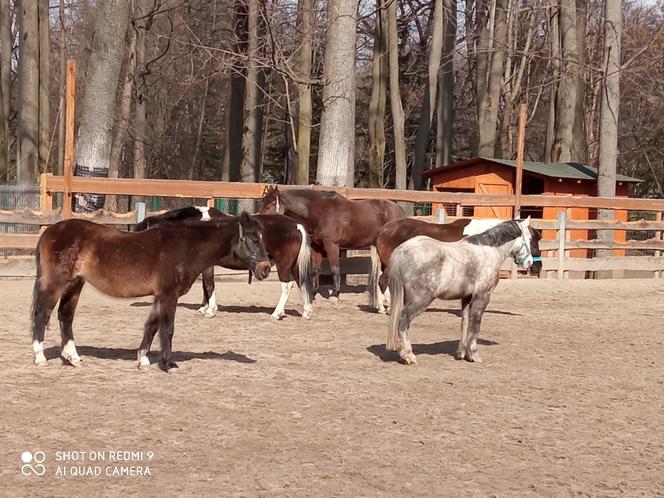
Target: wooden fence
<point>557,262</point>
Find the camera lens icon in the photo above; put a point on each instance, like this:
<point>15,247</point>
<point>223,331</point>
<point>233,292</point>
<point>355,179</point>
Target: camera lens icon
<point>38,457</point>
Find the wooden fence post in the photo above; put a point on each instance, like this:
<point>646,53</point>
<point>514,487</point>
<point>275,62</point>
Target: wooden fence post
<point>67,197</point>
<point>210,202</point>
<point>562,221</point>
<point>521,144</point>
<point>440,215</point>
<point>45,197</point>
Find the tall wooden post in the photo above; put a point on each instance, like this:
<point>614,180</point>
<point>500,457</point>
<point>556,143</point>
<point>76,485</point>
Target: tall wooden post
<point>658,236</point>
<point>70,100</point>
<point>520,149</point>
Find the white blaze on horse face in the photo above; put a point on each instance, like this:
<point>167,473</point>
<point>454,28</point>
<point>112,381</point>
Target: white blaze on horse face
<point>205,213</point>
<point>482,225</point>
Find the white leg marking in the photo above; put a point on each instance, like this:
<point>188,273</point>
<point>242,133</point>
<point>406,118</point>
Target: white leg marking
<point>143,362</point>
<point>70,354</point>
<point>212,307</point>
<point>278,312</point>
<point>38,350</point>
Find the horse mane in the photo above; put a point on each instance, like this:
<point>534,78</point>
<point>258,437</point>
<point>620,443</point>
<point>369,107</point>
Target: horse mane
<point>498,235</point>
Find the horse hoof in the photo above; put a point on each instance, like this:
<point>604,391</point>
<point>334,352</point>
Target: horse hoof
<point>334,299</point>
<point>72,361</point>
<point>382,311</point>
<point>143,362</point>
<point>409,359</point>
<point>40,362</point>
<point>172,370</point>
<point>306,316</point>
<point>460,355</point>
<point>474,358</point>
<point>202,310</point>
<point>168,366</point>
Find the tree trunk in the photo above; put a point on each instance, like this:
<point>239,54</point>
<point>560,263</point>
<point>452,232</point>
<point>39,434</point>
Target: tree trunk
<point>140,162</point>
<point>579,134</point>
<point>93,145</point>
<point>122,123</point>
<point>481,54</point>
<point>555,70</point>
<point>377,101</point>
<point>230,170</point>
<point>445,107</point>
<point>250,167</point>
<point>337,129</point>
<point>608,122</point>
<point>489,108</point>
<point>44,79</point>
<point>566,97</point>
<point>63,86</point>
<point>27,150</point>
<point>305,106</point>
<point>5,78</point>
<point>429,100</point>
<point>395,99</point>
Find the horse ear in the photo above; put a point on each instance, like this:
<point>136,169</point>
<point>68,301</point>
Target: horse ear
<point>244,218</point>
<point>526,222</point>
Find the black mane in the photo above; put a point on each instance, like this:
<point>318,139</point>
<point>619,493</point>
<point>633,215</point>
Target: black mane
<point>176,215</point>
<point>498,235</point>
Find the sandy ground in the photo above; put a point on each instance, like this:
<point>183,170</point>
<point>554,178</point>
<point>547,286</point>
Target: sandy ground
<point>567,402</point>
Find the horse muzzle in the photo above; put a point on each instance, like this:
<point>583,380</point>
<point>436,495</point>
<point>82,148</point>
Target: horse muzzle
<point>262,270</point>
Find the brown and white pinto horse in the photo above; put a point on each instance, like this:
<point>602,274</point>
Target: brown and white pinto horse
<point>163,262</point>
<point>395,233</point>
<point>287,246</point>
<point>332,221</point>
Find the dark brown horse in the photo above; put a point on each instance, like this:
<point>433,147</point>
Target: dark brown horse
<point>395,233</point>
<point>332,221</point>
<point>163,262</point>
<point>287,246</point>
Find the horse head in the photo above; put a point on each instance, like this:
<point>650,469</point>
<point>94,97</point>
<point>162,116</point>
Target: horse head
<point>249,247</point>
<point>526,249</point>
<point>270,201</point>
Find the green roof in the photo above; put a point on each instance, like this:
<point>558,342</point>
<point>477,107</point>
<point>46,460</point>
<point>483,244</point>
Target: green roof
<point>576,171</point>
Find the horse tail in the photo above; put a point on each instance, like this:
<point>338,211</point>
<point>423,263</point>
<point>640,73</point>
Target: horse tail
<point>396,287</point>
<point>36,310</point>
<point>306,280</point>
<point>373,278</point>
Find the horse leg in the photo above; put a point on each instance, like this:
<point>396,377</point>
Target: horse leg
<point>44,300</point>
<point>383,291</point>
<point>477,306</point>
<point>167,308</point>
<point>316,263</point>
<point>66,310</point>
<point>332,250</point>
<point>417,303</point>
<point>465,313</point>
<point>278,312</point>
<point>149,331</point>
<point>209,306</point>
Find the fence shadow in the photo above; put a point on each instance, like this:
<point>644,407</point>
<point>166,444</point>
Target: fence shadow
<point>445,347</point>
<point>130,354</point>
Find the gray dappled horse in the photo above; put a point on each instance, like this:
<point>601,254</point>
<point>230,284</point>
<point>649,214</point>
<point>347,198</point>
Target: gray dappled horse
<point>423,269</point>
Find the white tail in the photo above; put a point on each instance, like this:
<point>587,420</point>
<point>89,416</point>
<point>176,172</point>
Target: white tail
<point>306,281</point>
<point>396,287</point>
<point>372,286</point>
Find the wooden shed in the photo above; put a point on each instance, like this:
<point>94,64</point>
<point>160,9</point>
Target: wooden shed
<point>498,176</point>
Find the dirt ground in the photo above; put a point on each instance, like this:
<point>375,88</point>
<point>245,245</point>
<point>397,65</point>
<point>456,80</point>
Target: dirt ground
<point>567,402</point>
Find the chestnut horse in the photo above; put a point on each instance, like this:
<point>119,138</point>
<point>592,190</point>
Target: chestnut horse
<point>332,221</point>
<point>287,246</point>
<point>395,233</point>
<point>163,262</point>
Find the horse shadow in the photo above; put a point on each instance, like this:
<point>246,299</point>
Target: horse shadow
<point>130,354</point>
<point>223,309</point>
<point>445,347</point>
<point>450,311</point>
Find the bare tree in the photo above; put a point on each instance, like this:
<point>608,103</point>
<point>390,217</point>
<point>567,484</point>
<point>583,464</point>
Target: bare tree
<point>377,102</point>
<point>44,79</point>
<point>305,23</point>
<point>395,99</point>
<point>488,115</point>
<point>429,99</point>
<point>554,41</point>
<point>579,134</point>
<point>336,151</point>
<point>608,126</point>
<point>566,97</point>
<point>5,78</point>
<point>445,106</point>
<point>93,146</point>
<point>62,85</point>
<point>27,151</point>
